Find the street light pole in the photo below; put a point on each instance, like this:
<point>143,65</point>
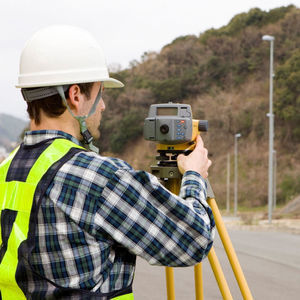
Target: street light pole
<point>228,184</point>
<point>271,128</point>
<point>238,135</point>
<point>274,179</point>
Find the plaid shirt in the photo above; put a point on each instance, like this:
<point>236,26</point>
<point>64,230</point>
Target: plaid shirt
<point>98,213</point>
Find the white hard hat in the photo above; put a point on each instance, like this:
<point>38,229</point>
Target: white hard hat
<point>61,55</point>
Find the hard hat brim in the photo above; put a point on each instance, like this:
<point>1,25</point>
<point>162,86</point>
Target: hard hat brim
<point>108,83</point>
<point>112,83</point>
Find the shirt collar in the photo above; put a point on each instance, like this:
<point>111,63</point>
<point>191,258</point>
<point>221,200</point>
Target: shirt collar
<point>35,137</point>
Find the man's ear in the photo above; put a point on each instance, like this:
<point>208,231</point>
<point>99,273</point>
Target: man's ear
<point>74,97</point>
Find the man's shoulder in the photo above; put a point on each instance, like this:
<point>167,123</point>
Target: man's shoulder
<point>100,164</point>
<point>89,172</point>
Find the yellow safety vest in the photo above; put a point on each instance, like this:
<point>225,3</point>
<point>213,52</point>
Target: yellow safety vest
<point>18,197</point>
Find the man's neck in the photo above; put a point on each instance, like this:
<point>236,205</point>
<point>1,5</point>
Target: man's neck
<point>63,123</point>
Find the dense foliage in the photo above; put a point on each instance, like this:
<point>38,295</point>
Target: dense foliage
<point>287,105</point>
<point>220,59</point>
<point>224,74</point>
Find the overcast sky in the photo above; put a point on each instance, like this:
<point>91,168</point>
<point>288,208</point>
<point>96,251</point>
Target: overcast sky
<point>125,28</point>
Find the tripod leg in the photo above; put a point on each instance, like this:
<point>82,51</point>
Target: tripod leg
<point>219,275</point>
<point>170,283</point>
<point>198,281</point>
<point>232,257</point>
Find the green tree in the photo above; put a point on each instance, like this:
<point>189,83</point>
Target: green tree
<point>287,104</point>
<point>126,130</point>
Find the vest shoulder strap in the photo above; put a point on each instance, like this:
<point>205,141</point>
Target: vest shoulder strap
<point>16,199</point>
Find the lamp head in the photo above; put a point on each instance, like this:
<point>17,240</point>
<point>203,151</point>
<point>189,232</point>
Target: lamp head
<point>268,38</point>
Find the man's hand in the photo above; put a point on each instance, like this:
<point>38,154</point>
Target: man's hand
<point>196,161</point>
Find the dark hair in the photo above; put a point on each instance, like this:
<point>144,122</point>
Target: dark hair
<point>53,106</point>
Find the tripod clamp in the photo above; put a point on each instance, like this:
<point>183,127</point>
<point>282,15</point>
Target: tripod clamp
<point>166,168</point>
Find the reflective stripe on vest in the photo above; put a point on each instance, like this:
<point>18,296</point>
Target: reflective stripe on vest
<point>18,196</point>
<point>124,297</point>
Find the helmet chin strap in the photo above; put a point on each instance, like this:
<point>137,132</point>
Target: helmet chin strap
<point>88,138</point>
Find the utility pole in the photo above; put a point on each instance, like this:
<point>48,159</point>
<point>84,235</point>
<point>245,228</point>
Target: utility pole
<point>228,184</point>
<point>238,135</point>
<point>271,128</point>
<point>274,179</point>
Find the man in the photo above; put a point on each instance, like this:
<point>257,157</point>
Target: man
<point>73,222</point>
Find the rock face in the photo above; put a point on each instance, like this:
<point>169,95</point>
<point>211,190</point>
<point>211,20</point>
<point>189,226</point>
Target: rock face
<point>293,207</point>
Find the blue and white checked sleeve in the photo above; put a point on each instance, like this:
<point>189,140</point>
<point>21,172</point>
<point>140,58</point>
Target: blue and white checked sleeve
<point>144,217</point>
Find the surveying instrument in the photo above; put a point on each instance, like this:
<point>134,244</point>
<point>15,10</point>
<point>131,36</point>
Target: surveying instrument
<point>172,127</point>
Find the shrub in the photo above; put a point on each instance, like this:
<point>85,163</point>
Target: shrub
<point>290,187</point>
<point>245,121</point>
<point>287,89</point>
<point>167,90</point>
<point>126,130</point>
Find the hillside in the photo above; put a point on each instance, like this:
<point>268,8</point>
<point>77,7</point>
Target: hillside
<point>10,130</point>
<point>224,74</point>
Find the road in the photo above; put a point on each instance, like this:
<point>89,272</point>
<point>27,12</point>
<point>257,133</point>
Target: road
<point>270,262</point>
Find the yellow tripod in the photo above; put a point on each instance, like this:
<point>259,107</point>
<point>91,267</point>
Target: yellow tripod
<point>168,171</point>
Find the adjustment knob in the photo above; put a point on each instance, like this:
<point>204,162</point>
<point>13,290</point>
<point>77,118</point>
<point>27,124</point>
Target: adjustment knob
<point>203,125</point>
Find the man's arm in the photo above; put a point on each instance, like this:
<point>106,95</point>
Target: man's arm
<point>165,229</point>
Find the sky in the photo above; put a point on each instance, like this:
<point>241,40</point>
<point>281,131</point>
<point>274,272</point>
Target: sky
<point>125,29</point>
